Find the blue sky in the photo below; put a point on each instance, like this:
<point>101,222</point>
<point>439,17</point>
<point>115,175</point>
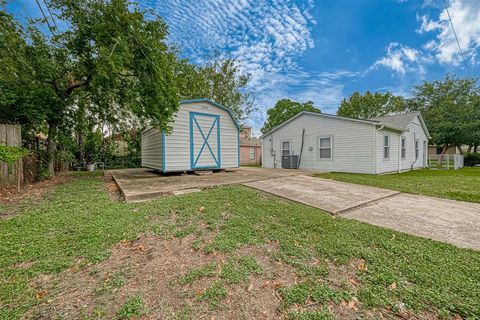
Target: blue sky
<point>323,50</point>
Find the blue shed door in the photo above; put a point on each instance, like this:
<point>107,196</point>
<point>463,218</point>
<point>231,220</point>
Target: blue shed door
<point>204,141</point>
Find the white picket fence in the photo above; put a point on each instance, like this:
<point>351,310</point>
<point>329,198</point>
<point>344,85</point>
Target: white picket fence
<point>445,161</point>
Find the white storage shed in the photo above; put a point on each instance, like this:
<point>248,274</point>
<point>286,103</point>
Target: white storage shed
<point>204,135</point>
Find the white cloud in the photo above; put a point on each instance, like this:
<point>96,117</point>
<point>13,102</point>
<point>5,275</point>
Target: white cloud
<point>263,36</point>
<point>325,89</point>
<point>466,20</point>
<point>401,58</point>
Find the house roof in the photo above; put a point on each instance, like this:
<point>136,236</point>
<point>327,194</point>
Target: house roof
<point>216,105</point>
<point>250,142</point>
<point>402,120</point>
<point>326,115</point>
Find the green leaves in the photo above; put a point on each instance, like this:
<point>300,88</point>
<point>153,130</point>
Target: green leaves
<point>370,105</point>
<point>283,110</point>
<point>451,109</point>
<point>11,154</point>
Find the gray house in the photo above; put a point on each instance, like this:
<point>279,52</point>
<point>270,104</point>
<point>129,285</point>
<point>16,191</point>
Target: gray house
<point>204,135</point>
<point>326,142</point>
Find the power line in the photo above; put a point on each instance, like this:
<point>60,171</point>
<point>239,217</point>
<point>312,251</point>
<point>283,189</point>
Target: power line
<point>45,17</point>
<point>50,13</point>
<point>455,33</point>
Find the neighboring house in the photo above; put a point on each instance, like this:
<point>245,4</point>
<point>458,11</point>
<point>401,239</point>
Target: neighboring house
<point>332,143</point>
<point>204,135</point>
<point>434,150</point>
<point>250,147</point>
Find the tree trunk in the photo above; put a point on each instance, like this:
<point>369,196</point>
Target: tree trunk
<point>470,147</point>
<point>445,149</point>
<point>459,148</point>
<point>475,148</point>
<point>81,147</point>
<point>51,147</point>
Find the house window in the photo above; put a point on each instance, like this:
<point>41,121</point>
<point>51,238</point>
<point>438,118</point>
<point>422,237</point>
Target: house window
<point>386,147</point>
<point>325,146</point>
<point>286,148</point>
<point>416,149</point>
<point>252,153</point>
<point>404,149</point>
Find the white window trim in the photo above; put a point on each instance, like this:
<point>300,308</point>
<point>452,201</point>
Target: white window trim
<point>331,147</point>
<point>404,148</point>
<point>289,144</point>
<point>384,146</point>
<point>250,153</point>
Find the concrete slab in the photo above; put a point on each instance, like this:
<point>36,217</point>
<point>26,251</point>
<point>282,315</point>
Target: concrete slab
<point>145,184</point>
<point>455,222</point>
<point>329,195</point>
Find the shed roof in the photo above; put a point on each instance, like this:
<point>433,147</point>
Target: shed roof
<point>216,105</point>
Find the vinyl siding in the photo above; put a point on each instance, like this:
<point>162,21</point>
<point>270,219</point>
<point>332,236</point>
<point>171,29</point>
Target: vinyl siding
<point>415,132</point>
<point>353,144</point>
<point>177,143</point>
<point>151,142</point>
<point>396,163</point>
<point>390,164</point>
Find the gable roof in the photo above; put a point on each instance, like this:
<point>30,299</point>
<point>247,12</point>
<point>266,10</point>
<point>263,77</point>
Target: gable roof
<point>402,120</point>
<point>326,115</point>
<point>250,142</point>
<point>216,105</point>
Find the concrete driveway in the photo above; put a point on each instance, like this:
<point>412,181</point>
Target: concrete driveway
<point>329,195</point>
<point>145,184</point>
<point>449,221</point>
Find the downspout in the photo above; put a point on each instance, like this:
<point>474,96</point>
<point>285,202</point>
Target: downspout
<point>301,149</point>
<point>272,152</point>
<point>400,153</point>
<point>414,152</point>
<point>375,151</point>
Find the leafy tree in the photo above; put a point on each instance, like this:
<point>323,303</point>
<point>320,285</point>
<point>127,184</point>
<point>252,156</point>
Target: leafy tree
<point>283,110</point>
<point>219,80</point>
<point>370,105</point>
<point>110,55</point>
<point>451,109</point>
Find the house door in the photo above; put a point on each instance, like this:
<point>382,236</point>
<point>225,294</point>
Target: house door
<point>204,141</point>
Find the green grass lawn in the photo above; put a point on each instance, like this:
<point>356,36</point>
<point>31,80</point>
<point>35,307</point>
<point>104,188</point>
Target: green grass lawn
<point>463,184</point>
<point>79,220</point>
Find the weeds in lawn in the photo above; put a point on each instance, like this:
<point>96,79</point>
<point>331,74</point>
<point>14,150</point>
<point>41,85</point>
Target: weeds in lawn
<point>238,270</point>
<point>214,294</point>
<point>132,308</point>
<point>195,274</point>
<point>79,224</point>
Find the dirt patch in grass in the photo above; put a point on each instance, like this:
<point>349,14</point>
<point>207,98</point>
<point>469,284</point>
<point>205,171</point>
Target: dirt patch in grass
<point>32,191</point>
<point>152,268</point>
<point>112,188</point>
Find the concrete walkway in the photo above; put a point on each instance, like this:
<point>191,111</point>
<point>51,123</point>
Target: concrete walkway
<point>450,221</point>
<point>329,195</point>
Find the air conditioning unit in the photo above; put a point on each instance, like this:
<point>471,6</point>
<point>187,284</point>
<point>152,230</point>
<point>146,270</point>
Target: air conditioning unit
<point>290,162</point>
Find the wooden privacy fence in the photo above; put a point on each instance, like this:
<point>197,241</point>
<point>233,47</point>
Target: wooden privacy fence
<point>11,136</point>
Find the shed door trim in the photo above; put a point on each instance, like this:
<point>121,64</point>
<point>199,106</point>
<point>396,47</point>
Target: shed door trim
<point>194,157</point>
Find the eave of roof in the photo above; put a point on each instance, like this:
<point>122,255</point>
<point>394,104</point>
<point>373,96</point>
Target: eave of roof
<point>326,115</point>
<point>216,105</point>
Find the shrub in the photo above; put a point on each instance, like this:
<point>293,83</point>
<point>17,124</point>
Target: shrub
<point>471,159</point>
